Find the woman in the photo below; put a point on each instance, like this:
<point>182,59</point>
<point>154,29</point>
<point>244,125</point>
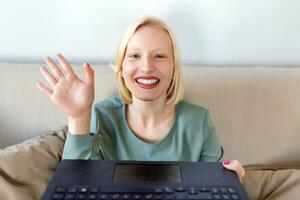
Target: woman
<point>149,121</point>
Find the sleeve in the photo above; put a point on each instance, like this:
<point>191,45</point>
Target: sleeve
<point>84,147</point>
<point>211,151</point>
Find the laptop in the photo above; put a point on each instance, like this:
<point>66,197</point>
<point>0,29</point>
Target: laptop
<point>103,179</point>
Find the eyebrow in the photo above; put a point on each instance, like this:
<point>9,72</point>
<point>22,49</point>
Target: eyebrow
<point>157,49</point>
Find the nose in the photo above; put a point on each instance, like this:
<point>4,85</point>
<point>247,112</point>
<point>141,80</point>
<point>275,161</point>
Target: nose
<point>147,64</point>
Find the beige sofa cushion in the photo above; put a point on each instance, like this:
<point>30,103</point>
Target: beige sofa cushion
<point>26,168</point>
<point>272,184</point>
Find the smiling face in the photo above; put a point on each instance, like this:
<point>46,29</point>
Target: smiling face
<point>147,68</point>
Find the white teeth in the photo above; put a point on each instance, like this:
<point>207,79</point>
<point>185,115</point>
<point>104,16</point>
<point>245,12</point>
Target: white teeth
<point>147,81</point>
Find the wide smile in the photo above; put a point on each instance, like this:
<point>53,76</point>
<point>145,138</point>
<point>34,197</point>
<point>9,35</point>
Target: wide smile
<point>147,83</point>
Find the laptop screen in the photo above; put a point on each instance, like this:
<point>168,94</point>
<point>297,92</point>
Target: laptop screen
<point>134,173</point>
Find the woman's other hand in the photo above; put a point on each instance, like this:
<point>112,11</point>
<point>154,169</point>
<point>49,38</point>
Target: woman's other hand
<point>236,166</point>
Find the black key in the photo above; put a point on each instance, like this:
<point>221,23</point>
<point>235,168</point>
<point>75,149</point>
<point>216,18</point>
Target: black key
<point>158,190</point>
<point>103,196</point>
<point>215,190</point>
<point>234,196</point>
<point>223,190</point>
<point>125,196</point>
<point>58,196</point>
<point>83,190</point>
<point>158,197</point>
<point>181,196</point>
<point>69,196</point>
<point>137,197</point>
<point>81,196</point>
<point>115,196</point>
<point>180,189</point>
<point>231,190</point>
<point>201,195</point>
<point>204,189</point>
<point>60,190</point>
<point>217,196</point>
<point>94,190</point>
<point>225,196</point>
<point>72,190</point>
<point>92,196</point>
<point>169,190</point>
<point>148,196</point>
<point>192,190</point>
<point>170,196</point>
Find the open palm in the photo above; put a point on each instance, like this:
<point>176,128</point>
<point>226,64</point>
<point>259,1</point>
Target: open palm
<point>73,95</point>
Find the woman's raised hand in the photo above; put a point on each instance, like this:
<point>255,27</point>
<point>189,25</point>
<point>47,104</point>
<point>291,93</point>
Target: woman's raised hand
<point>73,95</point>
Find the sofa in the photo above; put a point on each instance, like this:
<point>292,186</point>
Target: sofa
<point>256,111</point>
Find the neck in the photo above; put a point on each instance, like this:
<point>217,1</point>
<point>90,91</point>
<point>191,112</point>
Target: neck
<point>150,113</point>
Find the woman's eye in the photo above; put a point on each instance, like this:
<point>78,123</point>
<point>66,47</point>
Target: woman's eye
<point>159,56</point>
<point>134,56</point>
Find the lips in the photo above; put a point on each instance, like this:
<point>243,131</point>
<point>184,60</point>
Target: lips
<point>147,82</point>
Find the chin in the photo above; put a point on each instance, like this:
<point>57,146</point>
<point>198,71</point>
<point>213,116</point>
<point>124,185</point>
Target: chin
<point>147,98</point>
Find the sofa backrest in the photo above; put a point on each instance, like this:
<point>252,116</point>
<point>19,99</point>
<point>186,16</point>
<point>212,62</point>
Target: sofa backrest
<point>256,110</point>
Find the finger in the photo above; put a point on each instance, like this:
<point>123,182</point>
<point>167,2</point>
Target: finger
<point>48,76</point>
<point>44,89</point>
<point>65,64</point>
<point>89,73</point>
<point>236,166</point>
<point>55,69</point>
<point>230,165</point>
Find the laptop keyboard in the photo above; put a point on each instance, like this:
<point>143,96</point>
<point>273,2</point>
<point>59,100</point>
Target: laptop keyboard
<point>191,193</point>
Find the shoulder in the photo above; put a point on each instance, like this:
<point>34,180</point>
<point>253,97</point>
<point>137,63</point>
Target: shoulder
<point>107,112</point>
<point>191,110</point>
<point>192,120</point>
<point>113,102</point>
<point>111,107</point>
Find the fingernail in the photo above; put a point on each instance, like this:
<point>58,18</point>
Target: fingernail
<point>226,162</point>
<point>88,64</point>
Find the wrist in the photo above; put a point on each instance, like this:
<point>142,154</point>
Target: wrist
<point>80,125</point>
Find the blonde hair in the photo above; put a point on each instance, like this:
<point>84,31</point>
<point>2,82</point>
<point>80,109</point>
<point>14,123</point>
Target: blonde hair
<point>176,89</point>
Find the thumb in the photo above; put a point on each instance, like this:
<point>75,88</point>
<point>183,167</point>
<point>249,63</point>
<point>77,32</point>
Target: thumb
<point>89,73</point>
<point>236,166</point>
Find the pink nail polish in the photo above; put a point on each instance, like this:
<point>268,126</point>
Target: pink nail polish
<point>226,162</point>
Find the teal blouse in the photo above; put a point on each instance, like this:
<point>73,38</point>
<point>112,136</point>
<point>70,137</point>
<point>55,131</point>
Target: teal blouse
<point>192,137</point>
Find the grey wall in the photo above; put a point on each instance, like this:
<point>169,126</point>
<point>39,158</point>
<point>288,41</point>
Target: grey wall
<point>209,32</point>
